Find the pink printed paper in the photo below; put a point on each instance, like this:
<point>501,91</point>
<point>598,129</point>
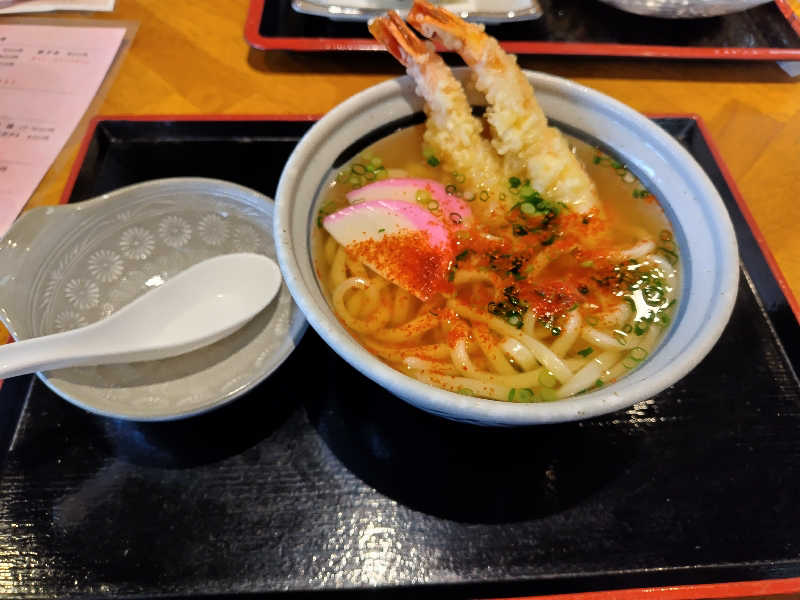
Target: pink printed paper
<point>48,77</point>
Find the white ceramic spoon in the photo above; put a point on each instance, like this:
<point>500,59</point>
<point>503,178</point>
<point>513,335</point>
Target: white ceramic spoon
<point>196,307</point>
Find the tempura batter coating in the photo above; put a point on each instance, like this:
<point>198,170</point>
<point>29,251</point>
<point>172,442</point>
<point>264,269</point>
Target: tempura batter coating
<point>519,126</point>
<point>452,131</point>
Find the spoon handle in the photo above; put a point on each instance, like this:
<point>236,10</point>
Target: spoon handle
<point>65,349</point>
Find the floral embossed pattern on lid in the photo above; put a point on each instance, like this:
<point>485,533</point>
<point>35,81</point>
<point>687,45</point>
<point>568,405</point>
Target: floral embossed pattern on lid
<point>89,259</point>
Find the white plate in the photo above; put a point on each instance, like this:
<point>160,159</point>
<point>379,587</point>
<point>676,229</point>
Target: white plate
<point>485,11</point>
<point>71,265</point>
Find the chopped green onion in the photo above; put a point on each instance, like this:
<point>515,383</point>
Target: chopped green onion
<point>376,162</point>
<point>519,230</point>
<point>465,391</point>
<point>638,353</point>
<point>670,245</point>
<point>433,205</point>
<point>528,208</point>
<point>484,195</point>
<point>548,395</point>
<point>521,395</point>
<point>430,157</point>
<point>525,395</point>
<point>527,191</point>
<point>630,302</point>
<point>672,257</point>
<point>515,321</point>
<point>381,230</point>
<point>458,177</point>
<point>548,380</point>
<point>587,264</point>
<point>586,351</point>
<point>555,331</point>
<point>514,182</point>
<point>423,196</point>
<point>358,169</point>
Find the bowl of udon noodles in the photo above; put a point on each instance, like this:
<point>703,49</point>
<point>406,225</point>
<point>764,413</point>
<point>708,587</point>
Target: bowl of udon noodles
<point>498,246</point>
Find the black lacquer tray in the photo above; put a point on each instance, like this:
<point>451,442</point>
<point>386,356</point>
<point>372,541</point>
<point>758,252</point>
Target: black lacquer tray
<point>573,27</point>
<point>320,481</point>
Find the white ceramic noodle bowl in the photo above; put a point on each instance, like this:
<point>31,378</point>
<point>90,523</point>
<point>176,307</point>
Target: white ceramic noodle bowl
<point>703,231</point>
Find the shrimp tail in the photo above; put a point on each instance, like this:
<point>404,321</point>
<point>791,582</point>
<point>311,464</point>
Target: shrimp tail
<point>457,35</point>
<point>398,39</point>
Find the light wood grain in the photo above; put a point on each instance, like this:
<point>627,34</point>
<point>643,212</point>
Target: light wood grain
<point>191,58</point>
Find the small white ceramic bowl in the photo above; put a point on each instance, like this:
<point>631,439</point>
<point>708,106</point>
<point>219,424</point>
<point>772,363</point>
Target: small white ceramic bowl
<point>709,256</point>
<point>63,267</point>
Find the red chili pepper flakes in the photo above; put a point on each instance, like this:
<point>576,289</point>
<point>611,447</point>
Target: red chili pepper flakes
<point>408,259</point>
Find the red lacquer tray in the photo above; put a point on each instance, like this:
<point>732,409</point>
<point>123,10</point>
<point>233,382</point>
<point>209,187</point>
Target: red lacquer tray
<point>314,484</point>
<point>568,27</point>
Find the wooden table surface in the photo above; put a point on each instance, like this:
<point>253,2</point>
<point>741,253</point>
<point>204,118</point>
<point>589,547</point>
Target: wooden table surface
<point>191,58</point>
